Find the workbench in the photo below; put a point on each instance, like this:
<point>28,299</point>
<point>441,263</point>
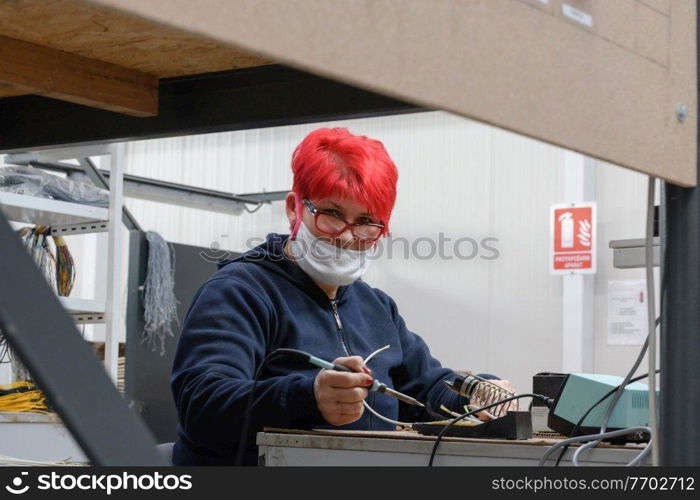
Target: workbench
<point>37,437</point>
<point>281,447</point>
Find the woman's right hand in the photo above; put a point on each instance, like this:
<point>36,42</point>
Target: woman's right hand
<point>339,395</point>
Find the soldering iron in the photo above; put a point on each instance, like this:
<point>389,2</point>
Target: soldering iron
<point>377,386</point>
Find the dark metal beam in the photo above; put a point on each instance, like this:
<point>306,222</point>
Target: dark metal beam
<point>680,322</point>
<point>136,277</point>
<point>46,340</point>
<point>265,96</point>
<point>680,328</point>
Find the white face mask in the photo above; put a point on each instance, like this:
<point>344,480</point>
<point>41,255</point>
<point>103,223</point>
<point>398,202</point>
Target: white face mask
<point>327,263</point>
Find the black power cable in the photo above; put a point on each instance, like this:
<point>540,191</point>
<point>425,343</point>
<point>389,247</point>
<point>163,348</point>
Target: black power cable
<point>547,401</point>
<point>580,421</point>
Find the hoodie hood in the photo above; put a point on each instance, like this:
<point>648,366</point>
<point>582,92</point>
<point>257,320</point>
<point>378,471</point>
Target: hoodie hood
<point>272,248</point>
<point>271,256</point>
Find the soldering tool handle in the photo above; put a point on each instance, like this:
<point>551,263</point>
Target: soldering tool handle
<point>341,368</point>
<point>321,363</point>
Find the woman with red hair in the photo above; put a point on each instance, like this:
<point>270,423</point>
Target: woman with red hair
<point>303,291</point>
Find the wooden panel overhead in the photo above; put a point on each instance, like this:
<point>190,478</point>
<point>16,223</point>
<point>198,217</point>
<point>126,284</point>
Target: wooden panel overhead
<point>8,90</point>
<point>90,30</point>
<point>77,79</point>
<point>599,77</point>
<point>96,35</point>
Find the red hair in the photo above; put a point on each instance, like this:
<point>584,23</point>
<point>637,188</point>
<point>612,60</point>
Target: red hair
<point>332,162</point>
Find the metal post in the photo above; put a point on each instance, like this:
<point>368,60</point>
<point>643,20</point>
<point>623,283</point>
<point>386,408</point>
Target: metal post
<point>137,269</point>
<point>114,261</point>
<point>680,323</point>
<point>680,328</point>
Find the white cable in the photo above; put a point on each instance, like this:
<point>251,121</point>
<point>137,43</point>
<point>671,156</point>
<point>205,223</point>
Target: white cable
<point>605,435</point>
<point>616,397</point>
<point>375,353</point>
<point>642,455</point>
<point>382,417</point>
<point>386,419</point>
<point>651,315</point>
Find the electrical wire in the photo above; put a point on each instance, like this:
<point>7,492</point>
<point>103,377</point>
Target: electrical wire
<point>19,371</point>
<point>606,435</point>
<point>35,241</point>
<point>603,398</point>
<point>5,354</point>
<point>58,269</point>
<point>372,410</point>
<point>618,394</point>
<point>651,314</point>
<point>369,358</point>
<point>253,210</point>
<point>246,418</point>
<point>22,396</point>
<point>386,419</point>
<point>650,342</point>
<point>65,267</point>
<point>546,400</point>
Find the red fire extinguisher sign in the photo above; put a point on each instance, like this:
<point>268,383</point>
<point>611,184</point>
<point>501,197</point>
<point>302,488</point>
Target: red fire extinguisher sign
<point>573,238</point>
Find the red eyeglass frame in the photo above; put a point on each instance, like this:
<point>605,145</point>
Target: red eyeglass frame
<point>315,211</point>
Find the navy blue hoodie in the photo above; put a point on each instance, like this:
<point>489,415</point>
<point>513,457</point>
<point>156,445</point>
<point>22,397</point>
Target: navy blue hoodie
<point>262,301</point>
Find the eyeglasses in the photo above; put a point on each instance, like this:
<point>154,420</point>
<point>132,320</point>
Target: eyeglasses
<point>334,225</point>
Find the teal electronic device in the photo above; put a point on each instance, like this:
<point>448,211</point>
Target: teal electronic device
<point>580,391</point>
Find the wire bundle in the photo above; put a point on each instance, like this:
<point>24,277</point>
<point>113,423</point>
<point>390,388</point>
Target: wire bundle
<point>22,396</point>
<point>65,267</point>
<point>35,240</point>
<point>5,354</point>
<point>58,269</point>
<point>159,302</point>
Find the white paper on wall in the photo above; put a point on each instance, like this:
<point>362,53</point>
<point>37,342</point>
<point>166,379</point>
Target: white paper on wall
<point>627,312</point>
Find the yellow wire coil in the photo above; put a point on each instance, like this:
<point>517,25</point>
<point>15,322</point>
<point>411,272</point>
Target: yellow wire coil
<point>32,400</point>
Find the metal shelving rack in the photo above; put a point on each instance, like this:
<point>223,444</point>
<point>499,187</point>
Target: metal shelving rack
<point>67,219</point>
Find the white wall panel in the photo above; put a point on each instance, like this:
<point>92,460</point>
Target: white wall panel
<point>456,177</point>
<point>622,196</point>
<point>525,300</point>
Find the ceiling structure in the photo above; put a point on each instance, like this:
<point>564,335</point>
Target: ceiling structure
<point>87,54</point>
<point>616,81</point>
